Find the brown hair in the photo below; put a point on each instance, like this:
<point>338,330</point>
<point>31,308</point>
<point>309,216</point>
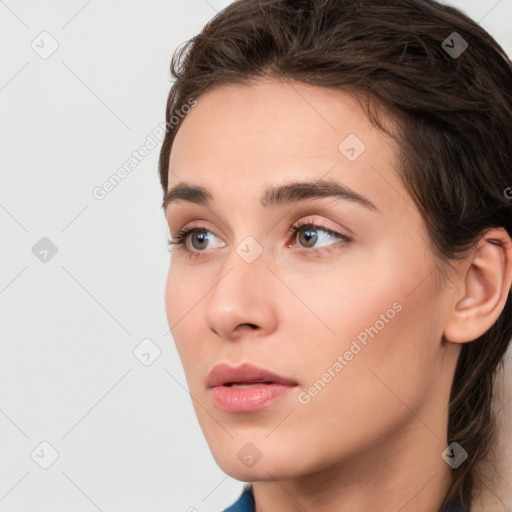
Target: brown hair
<point>453,117</point>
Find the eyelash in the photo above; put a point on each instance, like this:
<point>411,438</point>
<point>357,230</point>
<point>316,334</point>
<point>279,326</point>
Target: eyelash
<point>183,233</point>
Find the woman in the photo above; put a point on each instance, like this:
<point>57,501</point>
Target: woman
<point>336,178</point>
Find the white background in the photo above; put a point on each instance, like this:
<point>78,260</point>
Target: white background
<point>126,434</point>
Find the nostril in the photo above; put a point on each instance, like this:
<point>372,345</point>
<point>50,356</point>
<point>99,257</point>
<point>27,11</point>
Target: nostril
<point>251,326</point>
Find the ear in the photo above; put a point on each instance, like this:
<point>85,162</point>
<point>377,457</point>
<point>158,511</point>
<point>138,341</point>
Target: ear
<point>485,281</point>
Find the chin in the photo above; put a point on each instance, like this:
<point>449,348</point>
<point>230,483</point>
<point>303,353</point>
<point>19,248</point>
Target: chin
<point>260,460</point>
<point>260,472</point>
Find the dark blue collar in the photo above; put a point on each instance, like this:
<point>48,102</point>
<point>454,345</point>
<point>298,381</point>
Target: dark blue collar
<point>245,503</point>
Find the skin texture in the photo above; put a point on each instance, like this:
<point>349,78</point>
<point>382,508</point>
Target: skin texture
<point>372,438</point>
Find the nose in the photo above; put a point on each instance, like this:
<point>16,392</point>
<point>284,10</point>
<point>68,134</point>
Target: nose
<point>243,300</point>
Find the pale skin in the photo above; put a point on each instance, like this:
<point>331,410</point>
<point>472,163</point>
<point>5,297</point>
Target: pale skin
<point>372,438</point>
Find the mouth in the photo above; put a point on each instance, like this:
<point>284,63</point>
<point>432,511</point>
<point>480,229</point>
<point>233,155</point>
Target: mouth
<point>246,388</point>
<point>245,374</point>
<point>246,384</point>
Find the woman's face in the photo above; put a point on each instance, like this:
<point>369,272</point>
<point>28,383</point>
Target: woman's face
<point>349,313</point>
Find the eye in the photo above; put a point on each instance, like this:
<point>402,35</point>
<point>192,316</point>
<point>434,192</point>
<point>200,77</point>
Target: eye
<point>198,237</point>
<point>312,238</point>
<point>316,236</point>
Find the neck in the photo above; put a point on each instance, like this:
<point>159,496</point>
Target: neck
<point>406,474</point>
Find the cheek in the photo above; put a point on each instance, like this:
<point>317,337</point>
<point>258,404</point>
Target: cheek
<point>349,296</point>
<point>184,290</point>
<point>380,315</point>
<point>182,306</point>
<point>363,399</point>
<point>173,289</point>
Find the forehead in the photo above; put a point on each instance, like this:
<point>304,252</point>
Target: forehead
<point>241,139</point>
<point>286,119</point>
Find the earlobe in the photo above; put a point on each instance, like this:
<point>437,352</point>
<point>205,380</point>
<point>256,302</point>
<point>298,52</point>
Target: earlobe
<point>485,287</point>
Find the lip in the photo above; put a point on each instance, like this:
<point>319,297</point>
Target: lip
<point>224,374</point>
<point>270,386</point>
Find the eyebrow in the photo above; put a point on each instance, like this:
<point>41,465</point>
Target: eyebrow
<point>274,196</point>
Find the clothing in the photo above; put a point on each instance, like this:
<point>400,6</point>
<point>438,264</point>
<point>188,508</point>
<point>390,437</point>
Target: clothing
<point>245,503</point>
